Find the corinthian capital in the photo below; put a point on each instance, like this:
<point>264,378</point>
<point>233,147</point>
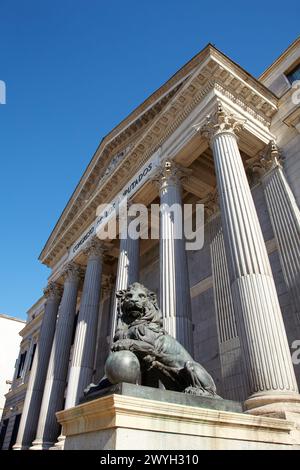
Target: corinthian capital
<point>94,248</point>
<point>271,156</point>
<point>72,272</point>
<point>220,121</point>
<point>269,159</point>
<point>53,291</point>
<point>170,173</point>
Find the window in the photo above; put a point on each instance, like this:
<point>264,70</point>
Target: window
<point>294,74</point>
<point>32,356</point>
<point>21,364</point>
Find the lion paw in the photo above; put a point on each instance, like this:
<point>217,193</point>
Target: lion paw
<point>198,391</point>
<point>123,344</point>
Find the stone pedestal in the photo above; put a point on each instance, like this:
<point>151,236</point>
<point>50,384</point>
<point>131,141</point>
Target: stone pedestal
<point>129,421</point>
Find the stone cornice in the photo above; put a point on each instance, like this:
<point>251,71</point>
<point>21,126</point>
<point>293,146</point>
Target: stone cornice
<point>214,71</point>
<point>248,87</point>
<point>17,390</point>
<point>7,317</point>
<point>32,325</point>
<point>279,60</point>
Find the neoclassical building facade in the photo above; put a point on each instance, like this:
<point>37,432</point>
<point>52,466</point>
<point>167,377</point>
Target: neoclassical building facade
<point>212,134</point>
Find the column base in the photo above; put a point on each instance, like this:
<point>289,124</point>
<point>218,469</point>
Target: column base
<point>40,445</point>
<point>20,447</point>
<point>60,444</point>
<point>283,405</point>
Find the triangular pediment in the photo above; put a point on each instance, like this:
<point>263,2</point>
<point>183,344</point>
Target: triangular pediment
<point>129,144</point>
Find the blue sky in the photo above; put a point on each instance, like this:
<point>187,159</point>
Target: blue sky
<point>73,70</point>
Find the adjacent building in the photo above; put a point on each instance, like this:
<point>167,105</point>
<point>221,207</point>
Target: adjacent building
<point>9,350</point>
<point>212,134</point>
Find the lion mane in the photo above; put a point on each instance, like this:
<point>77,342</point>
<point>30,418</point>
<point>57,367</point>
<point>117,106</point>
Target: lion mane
<point>150,313</point>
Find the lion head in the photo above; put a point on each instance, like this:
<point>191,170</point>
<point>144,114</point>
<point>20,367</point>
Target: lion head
<point>137,303</point>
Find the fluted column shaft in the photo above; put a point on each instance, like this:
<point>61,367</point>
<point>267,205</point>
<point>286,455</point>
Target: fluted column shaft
<point>260,324</point>
<point>104,327</point>
<point>35,388</point>
<point>233,386</point>
<point>82,364</point>
<point>53,396</point>
<point>175,299</point>
<point>285,218</point>
<point>128,268</point>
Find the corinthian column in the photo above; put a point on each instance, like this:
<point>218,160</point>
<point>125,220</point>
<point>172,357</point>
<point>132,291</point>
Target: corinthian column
<point>175,299</point>
<point>285,218</point>
<point>260,325</point>
<point>128,267</point>
<point>233,383</point>
<point>35,388</point>
<point>53,396</point>
<point>82,365</point>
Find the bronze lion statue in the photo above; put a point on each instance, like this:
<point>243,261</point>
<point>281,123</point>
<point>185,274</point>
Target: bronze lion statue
<point>162,358</point>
